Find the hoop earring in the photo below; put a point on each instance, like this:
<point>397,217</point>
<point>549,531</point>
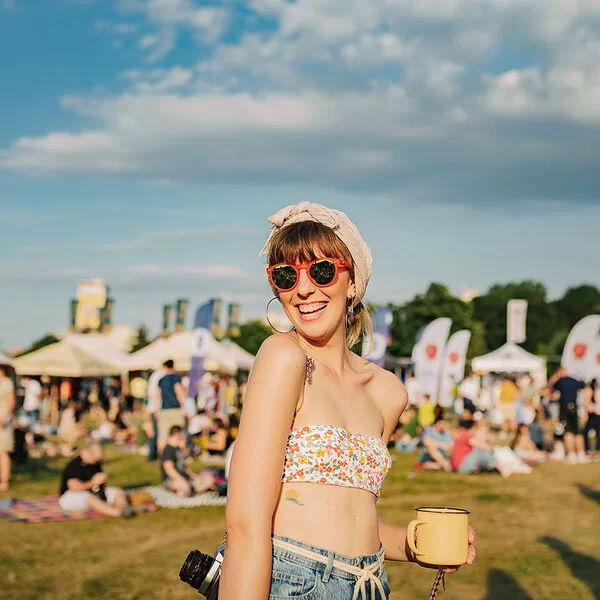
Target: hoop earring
<point>269,320</point>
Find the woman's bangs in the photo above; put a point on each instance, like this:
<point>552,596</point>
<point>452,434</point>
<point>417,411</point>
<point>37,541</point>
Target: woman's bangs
<point>306,241</point>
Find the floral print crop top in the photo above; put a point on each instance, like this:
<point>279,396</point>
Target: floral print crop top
<point>332,455</point>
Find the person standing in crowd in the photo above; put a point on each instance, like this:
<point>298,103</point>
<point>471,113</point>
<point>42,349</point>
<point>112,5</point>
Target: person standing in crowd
<point>509,393</point>
<point>32,398</point>
<point>592,405</point>
<point>171,400</point>
<point>83,486</point>
<point>137,389</point>
<point>412,389</point>
<point>7,408</point>
<point>153,407</point>
<point>468,390</point>
<point>566,389</point>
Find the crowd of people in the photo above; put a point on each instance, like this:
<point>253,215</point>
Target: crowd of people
<point>153,415</point>
<point>559,421</point>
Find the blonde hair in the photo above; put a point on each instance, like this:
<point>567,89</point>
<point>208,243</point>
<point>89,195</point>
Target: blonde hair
<point>308,240</point>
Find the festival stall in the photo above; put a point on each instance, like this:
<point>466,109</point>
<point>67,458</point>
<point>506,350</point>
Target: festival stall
<point>510,358</point>
<point>244,359</point>
<point>178,347</point>
<point>88,355</point>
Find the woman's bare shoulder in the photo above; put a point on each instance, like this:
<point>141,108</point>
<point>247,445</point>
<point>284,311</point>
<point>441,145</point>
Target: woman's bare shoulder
<point>281,349</point>
<point>387,391</point>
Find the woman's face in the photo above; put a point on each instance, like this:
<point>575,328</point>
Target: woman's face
<point>317,312</point>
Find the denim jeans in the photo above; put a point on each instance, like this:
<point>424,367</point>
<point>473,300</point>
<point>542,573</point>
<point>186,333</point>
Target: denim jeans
<point>303,578</point>
<point>482,459</point>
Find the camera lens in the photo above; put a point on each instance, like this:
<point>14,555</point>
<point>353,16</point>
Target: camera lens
<point>190,572</point>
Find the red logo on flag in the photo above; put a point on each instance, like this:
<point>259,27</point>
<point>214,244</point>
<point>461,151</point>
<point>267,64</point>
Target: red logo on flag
<point>431,351</point>
<point>579,350</point>
<point>454,357</point>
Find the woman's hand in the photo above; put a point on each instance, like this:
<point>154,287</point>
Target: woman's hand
<point>471,556</point>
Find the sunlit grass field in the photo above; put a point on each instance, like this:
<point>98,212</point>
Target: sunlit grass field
<point>538,537</point>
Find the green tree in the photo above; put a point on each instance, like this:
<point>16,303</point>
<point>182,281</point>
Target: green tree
<point>409,318</point>
<point>45,340</point>
<point>141,339</point>
<point>477,345</point>
<point>576,303</point>
<point>490,309</point>
<point>252,335</point>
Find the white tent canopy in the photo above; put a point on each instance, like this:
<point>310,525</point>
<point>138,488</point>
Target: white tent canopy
<point>178,347</point>
<point>89,355</point>
<point>509,358</point>
<point>5,360</point>
<point>243,358</point>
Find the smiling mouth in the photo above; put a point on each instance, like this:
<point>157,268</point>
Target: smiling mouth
<point>311,311</point>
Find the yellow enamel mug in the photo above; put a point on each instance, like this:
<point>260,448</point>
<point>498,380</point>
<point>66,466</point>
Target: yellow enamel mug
<point>442,535</point>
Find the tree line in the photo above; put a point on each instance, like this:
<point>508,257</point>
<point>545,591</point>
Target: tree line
<point>548,321</point>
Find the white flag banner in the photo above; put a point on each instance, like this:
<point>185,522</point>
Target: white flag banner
<point>581,350</point>
<point>596,367</point>
<point>516,321</point>
<point>453,365</point>
<point>429,355</point>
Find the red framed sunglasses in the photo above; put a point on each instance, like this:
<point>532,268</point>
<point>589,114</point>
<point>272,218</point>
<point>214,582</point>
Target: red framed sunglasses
<point>321,271</point>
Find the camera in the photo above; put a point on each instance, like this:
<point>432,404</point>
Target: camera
<point>203,572</point>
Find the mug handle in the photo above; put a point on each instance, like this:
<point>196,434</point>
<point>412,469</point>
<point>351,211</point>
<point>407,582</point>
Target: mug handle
<point>410,536</point>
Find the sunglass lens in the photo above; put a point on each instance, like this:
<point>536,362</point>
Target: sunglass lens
<point>322,272</point>
<point>284,277</point>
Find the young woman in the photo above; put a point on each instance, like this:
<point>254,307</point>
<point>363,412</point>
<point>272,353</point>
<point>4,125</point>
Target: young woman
<point>310,455</point>
<point>592,405</point>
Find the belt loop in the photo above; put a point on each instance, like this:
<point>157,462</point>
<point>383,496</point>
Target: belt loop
<point>328,568</point>
<point>380,558</point>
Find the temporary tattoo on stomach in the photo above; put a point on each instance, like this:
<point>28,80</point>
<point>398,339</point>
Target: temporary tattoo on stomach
<point>292,496</point>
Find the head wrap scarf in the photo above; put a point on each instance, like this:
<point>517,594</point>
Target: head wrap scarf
<point>341,225</point>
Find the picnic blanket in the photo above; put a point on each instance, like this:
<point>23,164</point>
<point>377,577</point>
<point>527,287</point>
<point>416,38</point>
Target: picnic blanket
<point>37,510</point>
<point>168,499</point>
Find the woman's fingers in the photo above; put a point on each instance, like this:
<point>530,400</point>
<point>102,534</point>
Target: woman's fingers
<point>472,535</point>
<point>472,555</point>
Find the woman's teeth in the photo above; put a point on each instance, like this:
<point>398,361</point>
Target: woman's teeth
<point>311,309</point>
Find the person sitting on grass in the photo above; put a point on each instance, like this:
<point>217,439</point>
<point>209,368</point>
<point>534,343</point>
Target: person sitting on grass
<point>437,446</point>
<point>524,447</point>
<point>177,477</point>
<point>83,486</point>
<point>473,453</point>
<point>220,438</point>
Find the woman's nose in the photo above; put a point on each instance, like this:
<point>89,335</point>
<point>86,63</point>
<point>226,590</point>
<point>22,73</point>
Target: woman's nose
<point>305,285</point>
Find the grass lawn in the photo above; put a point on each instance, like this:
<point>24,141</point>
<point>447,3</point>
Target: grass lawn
<point>538,537</point>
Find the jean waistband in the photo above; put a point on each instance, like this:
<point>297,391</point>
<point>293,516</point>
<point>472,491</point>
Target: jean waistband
<point>364,569</point>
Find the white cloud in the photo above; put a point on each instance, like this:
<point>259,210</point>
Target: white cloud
<point>151,239</point>
<point>391,96</point>
<point>154,270</point>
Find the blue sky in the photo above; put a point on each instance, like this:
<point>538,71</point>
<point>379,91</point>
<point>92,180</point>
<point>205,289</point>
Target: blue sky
<point>147,142</point>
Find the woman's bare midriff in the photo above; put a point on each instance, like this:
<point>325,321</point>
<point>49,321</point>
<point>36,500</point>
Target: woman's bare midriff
<point>341,519</point>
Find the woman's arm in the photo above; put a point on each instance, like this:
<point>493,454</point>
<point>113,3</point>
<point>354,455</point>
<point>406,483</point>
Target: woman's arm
<point>274,389</point>
<point>392,399</point>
